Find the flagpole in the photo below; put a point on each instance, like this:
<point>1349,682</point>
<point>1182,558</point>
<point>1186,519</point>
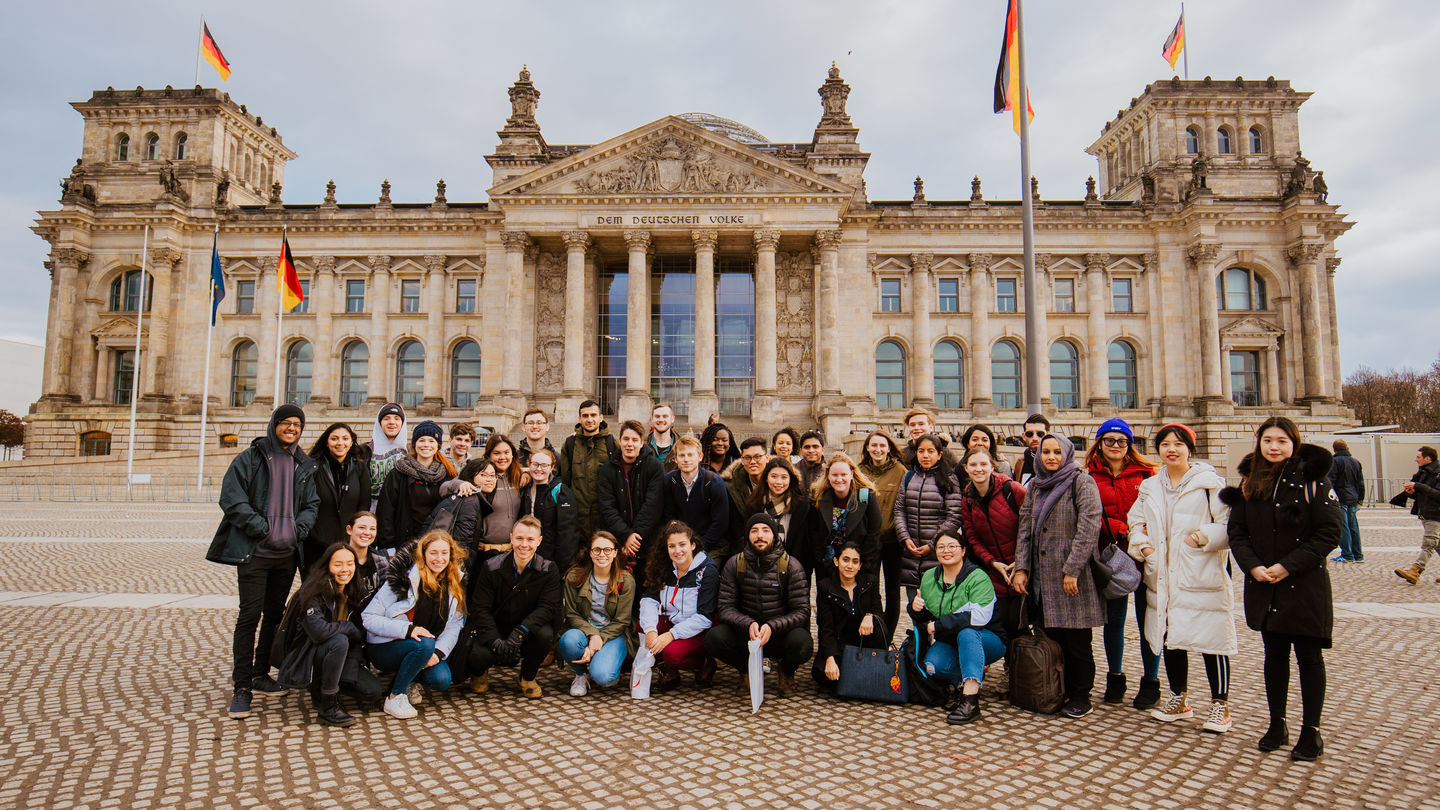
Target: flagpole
<point>1185,46</point>
<point>1033,348</point>
<point>205,386</point>
<point>199,50</point>
<point>135,366</point>
<point>279,311</point>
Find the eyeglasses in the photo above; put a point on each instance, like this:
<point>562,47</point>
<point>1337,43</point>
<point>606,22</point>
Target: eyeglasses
<point>1115,442</point>
<point>948,547</point>
<point>540,465</point>
<point>753,457</point>
<point>601,552</point>
<point>291,423</point>
<point>536,424</point>
<point>1034,434</point>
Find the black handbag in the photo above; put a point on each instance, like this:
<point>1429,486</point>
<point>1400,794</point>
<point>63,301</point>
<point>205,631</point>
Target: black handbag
<point>876,675</point>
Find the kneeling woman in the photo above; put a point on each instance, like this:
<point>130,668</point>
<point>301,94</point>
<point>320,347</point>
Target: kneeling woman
<point>319,641</point>
<point>599,615</point>
<point>847,611</point>
<point>682,592</point>
<point>414,620</point>
<point>956,605</point>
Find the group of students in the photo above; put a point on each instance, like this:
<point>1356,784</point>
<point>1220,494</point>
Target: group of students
<point>435,567</point>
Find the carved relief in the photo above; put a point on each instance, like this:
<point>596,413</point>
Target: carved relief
<point>671,166</point>
<point>794,323</point>
<point>550,323</point>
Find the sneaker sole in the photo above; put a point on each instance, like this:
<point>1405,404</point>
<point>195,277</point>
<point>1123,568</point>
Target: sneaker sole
<point>238,715</point>
<point>1211,729</point>
<point>1170,718</point>
<point>399,716</point>
<point>1074,716</point>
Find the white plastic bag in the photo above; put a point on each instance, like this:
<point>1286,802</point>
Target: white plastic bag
<point>640,672</point>
<point>757,675</point>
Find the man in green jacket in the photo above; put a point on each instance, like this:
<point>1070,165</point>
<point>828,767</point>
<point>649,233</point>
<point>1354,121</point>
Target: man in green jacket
<point>740,480</point>
<point>583,455</point>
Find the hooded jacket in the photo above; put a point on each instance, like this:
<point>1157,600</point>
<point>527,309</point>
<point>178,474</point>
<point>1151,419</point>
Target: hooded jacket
<point>386,616</point>
<point>1117,495</point>
<point>245,494</point>
<point>1188,590</point>
<point>1297,526</point>
<point>382,452</point>
<point>969,601</point>
<point>633,504</point>
<point>688,602</point>
<point>1426,504</point>
<point>580,462</point>
<point>991,525</point>
<point>837,617</point>
<point>762,594</point>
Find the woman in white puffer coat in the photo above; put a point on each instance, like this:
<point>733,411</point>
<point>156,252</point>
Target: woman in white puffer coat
<point>1178,532</point>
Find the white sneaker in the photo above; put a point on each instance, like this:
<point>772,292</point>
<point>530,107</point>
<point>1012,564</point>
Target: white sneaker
<point>1175,707</point>
<point>765,666</point>
<point>580,687</point>
<point>1219,721</point>
<point>399,706</point>
<point>416,694</point>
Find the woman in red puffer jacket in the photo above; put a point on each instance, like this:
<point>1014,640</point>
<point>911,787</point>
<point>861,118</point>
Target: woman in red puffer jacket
<point>990,516</point>
<point>1118,470</point>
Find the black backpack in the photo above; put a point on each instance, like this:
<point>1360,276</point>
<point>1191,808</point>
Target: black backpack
<point>924,688</point>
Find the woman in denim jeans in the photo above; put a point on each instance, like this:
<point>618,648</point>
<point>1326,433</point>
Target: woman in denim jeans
<point>599,615</point>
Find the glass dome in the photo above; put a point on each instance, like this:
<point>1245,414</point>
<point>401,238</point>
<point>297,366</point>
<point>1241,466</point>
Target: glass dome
<point>730,129</point>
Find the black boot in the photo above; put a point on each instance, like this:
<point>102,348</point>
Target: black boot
<point>1115,687</point>
<point>966,710</point>
<point>329,711</point>
<point>1148,696</point>
<point>1276,737</point>
<point>1309,747</point>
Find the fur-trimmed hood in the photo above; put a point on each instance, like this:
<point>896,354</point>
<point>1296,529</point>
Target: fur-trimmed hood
<point>401,574</point>
<point>1311,463</point>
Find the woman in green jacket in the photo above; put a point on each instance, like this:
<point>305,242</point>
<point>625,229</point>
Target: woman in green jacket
<point>599,614</point>
<point>956,606</point>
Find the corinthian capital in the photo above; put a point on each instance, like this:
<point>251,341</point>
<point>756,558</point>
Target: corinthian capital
<point>828,239</point>
<point>637,241</point>
<point>767,239</point>
<point>576,241</point>
<point>980,261</point>
<point>324,264</point>
<point>1304,253</point>
<point>704,240</point>
<point>1096,261</point>
<point>921,262</point>
<point>1203,252</point>
<point>166,257</point>
<point>69,257</point>
<point>515,241</point>
<point>435,262</point>
<point>1332,263</point>
<point>378,264</point>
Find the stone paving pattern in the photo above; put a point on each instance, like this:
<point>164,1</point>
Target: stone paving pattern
<point>121,706</point>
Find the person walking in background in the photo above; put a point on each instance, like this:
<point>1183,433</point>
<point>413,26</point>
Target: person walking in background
<point>1424,489</point>
<point>1348,479</point>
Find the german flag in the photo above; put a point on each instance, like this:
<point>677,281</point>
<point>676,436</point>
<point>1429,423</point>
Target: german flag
<point>1175,43</point>
<point>1007,75</point>
<point>212,53</point>
<point>291,293</point>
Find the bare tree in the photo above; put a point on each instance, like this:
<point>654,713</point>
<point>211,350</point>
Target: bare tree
<point>1405,397</point>
<point>12,432</point>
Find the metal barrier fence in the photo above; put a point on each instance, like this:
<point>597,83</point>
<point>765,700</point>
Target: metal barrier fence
<point>67,487</point>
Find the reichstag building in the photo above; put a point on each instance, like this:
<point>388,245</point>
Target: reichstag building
<point>696,261</point>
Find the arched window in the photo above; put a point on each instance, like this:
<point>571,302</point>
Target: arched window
<point>889,375</point>
<point>1240,289</point>
<point>1124,387</point>
<point>122,147</point>
<point>152,147</point>
<point>1192,140</point>
<point>95,443</point>
<point>949,375</point>
<point>125,291</point>
<point>244,366</point>
<point>1064,374</point>
<point>410,374</point>
<point>465,375</point>
<point>1222,141</point>
<point>299,363</point>
<point>354,374</point>
<point>1257,141</point>
<point>1005,374</point>
<point>180,142</point>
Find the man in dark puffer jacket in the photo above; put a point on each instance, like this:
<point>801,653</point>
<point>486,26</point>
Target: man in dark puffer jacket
<point>764,594</point>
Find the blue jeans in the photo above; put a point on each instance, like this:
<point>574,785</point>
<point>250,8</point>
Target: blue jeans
<point>1114,635</point>
<point>406,658</point>
<point>1350,532</point>
<point>604,666</point>
<point>965,658</point>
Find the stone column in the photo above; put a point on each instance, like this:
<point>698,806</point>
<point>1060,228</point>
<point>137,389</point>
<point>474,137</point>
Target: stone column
<point>1154,316</point>
<point>1271,394</point>
<point>156,345</point>
<point>60,328</point>
<point>576,243</point>
<point>922,364</point>
<point>1098,367</point>
<point>827,294</point>
<point>1212,370</point>
<point>1312,325</point>
<point>83,385</point>
<point>982,402</point>
<point>765,406</point>
<point>1046,298</point>
<point>380,389</point>
<point>704,397</point>
<point>517,244</point>
<point>635,401</point>
<point>436,372</point>
<point>1227,384</point>
<point>267,303</point>
<point>1335,380</point>
<point>324,382</point>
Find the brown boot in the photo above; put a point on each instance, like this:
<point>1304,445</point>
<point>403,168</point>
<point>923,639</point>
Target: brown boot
<point>744,686</point>
<point>1410,573</point>
<point>785,684</point>
<point>705,676</point>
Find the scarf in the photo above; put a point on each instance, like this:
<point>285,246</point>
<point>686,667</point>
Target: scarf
<point>433,474</point>
<point>1049,486</point>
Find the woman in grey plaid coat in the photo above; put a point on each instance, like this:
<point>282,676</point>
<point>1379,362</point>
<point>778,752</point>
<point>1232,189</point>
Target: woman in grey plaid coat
<point>1059,523</point>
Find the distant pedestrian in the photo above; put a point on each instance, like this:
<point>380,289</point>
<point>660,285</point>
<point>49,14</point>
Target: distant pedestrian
<point>1348,478</point>
<point>1424,489</point>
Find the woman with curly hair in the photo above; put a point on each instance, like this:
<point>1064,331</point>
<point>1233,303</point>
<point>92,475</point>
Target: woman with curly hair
<point>719,447</point>
<point>682,590</point>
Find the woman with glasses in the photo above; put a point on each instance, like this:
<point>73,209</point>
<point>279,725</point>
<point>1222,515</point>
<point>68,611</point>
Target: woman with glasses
<point>550,502</point>
<point>599,614</point>
<point>956,607</point>
<point>1118,471</point>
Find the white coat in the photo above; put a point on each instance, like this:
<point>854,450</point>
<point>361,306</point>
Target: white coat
<point>1187,590</point>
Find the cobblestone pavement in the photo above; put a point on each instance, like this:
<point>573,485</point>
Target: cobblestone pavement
<point>124,706</point>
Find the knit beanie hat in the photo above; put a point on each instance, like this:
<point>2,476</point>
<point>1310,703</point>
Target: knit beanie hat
<point>388,409</point>
<point>426,428</point>
<point>287,411</point>
<point>761,517</point>
<point>1116,425</point>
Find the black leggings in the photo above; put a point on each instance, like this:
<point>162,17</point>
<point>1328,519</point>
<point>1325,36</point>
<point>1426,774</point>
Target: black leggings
<point>1311,663</point>
<point>890,566</point>
<point>1217,669</point>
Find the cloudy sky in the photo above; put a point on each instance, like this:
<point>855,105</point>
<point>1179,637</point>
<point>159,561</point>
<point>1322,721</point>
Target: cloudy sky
<point>368,89</point>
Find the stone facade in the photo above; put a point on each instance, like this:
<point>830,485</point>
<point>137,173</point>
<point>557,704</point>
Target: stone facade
<point>472,311</point>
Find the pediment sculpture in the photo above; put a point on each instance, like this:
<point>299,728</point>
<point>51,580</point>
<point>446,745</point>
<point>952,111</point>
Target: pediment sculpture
<point>670,166</point>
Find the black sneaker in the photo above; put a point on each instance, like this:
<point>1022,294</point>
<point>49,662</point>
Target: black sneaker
<point>240,704</point>
<point>1077,708</point>
<point>966,710</point>
<point>1114,687</point>
<point>266,685</point>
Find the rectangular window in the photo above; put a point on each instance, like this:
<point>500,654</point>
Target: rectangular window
<point>1064,295</point>
<point>610,349</point>
<point>465,295</point>
<point>1245,378</point>
<point>1007,298</point>
<point>734,334</point>
<point>889,295</point>
<point>244,297</point>
<point>949,295</point>
<point>355,295</point>
<point>304,306</point>
<point>672,331</point>
<point>410,295</point>
<point>1122,295</point>
<point>124,380</point>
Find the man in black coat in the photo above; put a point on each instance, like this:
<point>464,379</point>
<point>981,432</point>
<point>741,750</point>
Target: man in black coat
<point>1424,489</point>
<point>512,603</point>
<point>632,494</point>
<point>270,504</point>
<point>696,496</point>
<point>1348,479</point>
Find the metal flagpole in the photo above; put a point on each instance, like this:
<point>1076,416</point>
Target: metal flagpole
<point>1032,294</point>
<point>199,50</point>
<point>135,364</point>
<point>279,314</point>
<point>1185,45</point>
<point>205,386</point>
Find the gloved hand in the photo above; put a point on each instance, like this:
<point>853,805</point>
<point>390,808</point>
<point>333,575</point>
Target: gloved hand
<point>506,653</point>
